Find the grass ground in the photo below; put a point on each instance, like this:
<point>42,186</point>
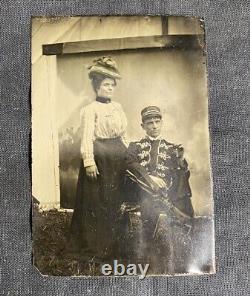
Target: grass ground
<point>53,256</point>
<point>50,252</point>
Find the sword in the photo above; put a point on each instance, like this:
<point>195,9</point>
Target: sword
<point>180,217</point>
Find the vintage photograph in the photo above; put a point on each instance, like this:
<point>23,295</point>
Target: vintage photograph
<point>121,177</point>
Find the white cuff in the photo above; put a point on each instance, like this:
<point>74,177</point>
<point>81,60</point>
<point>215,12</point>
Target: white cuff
<point>88,162</point>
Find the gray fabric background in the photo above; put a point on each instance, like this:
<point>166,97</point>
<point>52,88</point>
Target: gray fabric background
<point>228,58</point>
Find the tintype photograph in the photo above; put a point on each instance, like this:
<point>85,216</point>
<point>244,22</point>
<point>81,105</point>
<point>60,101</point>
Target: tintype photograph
<point>121,177</point>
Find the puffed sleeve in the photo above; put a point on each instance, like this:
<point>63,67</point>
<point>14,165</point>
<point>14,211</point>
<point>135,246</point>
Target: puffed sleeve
<point>123,124</point>
<point>124,139</point>
<point>88,129</point>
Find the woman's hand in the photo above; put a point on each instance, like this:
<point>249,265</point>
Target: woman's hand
<point>92,172</point>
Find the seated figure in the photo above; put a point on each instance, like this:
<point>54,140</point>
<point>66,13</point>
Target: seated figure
<point>158,180</point>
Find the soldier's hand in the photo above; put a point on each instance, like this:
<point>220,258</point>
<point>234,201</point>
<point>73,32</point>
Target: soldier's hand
<point>92,172</point>
<point>158,183</point>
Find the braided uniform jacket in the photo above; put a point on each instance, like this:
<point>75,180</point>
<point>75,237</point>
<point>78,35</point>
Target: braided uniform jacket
<point>159,158</point>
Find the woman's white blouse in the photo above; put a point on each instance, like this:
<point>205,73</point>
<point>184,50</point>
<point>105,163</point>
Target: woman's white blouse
<point>101,121</point>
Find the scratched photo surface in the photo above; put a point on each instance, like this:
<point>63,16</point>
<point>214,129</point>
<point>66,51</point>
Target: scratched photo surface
<point>121,176</point>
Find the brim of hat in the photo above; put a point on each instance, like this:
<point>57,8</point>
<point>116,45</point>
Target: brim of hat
<point>105,72</point>
<point>151,116</point>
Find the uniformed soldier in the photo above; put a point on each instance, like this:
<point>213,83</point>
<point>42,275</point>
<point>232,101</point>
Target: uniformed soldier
<point>160,178</point>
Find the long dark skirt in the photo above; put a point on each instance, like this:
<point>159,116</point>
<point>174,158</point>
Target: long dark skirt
<point>94,226</point>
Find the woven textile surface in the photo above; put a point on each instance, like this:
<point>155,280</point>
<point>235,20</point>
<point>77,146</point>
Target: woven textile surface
<point>226,24</point>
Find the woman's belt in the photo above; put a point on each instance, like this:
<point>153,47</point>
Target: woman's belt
<point>108,139</point>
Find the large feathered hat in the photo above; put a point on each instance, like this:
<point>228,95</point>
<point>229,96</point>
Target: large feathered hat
<point>105,66</point>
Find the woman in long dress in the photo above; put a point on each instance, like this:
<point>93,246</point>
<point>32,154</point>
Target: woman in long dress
<point>103,148</point>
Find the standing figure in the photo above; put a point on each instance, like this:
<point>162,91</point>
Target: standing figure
<point>103,149</point>
<point>159,182</point>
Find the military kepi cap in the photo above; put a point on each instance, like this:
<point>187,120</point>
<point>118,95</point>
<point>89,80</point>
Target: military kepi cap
<point>150,111</point>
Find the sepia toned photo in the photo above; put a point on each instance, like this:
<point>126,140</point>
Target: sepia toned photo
<point>121,177</point>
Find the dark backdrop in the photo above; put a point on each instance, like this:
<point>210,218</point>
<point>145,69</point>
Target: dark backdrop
<point>228,57</point>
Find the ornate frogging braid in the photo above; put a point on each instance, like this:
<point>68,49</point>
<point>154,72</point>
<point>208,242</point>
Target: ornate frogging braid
<point>145,157</point>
